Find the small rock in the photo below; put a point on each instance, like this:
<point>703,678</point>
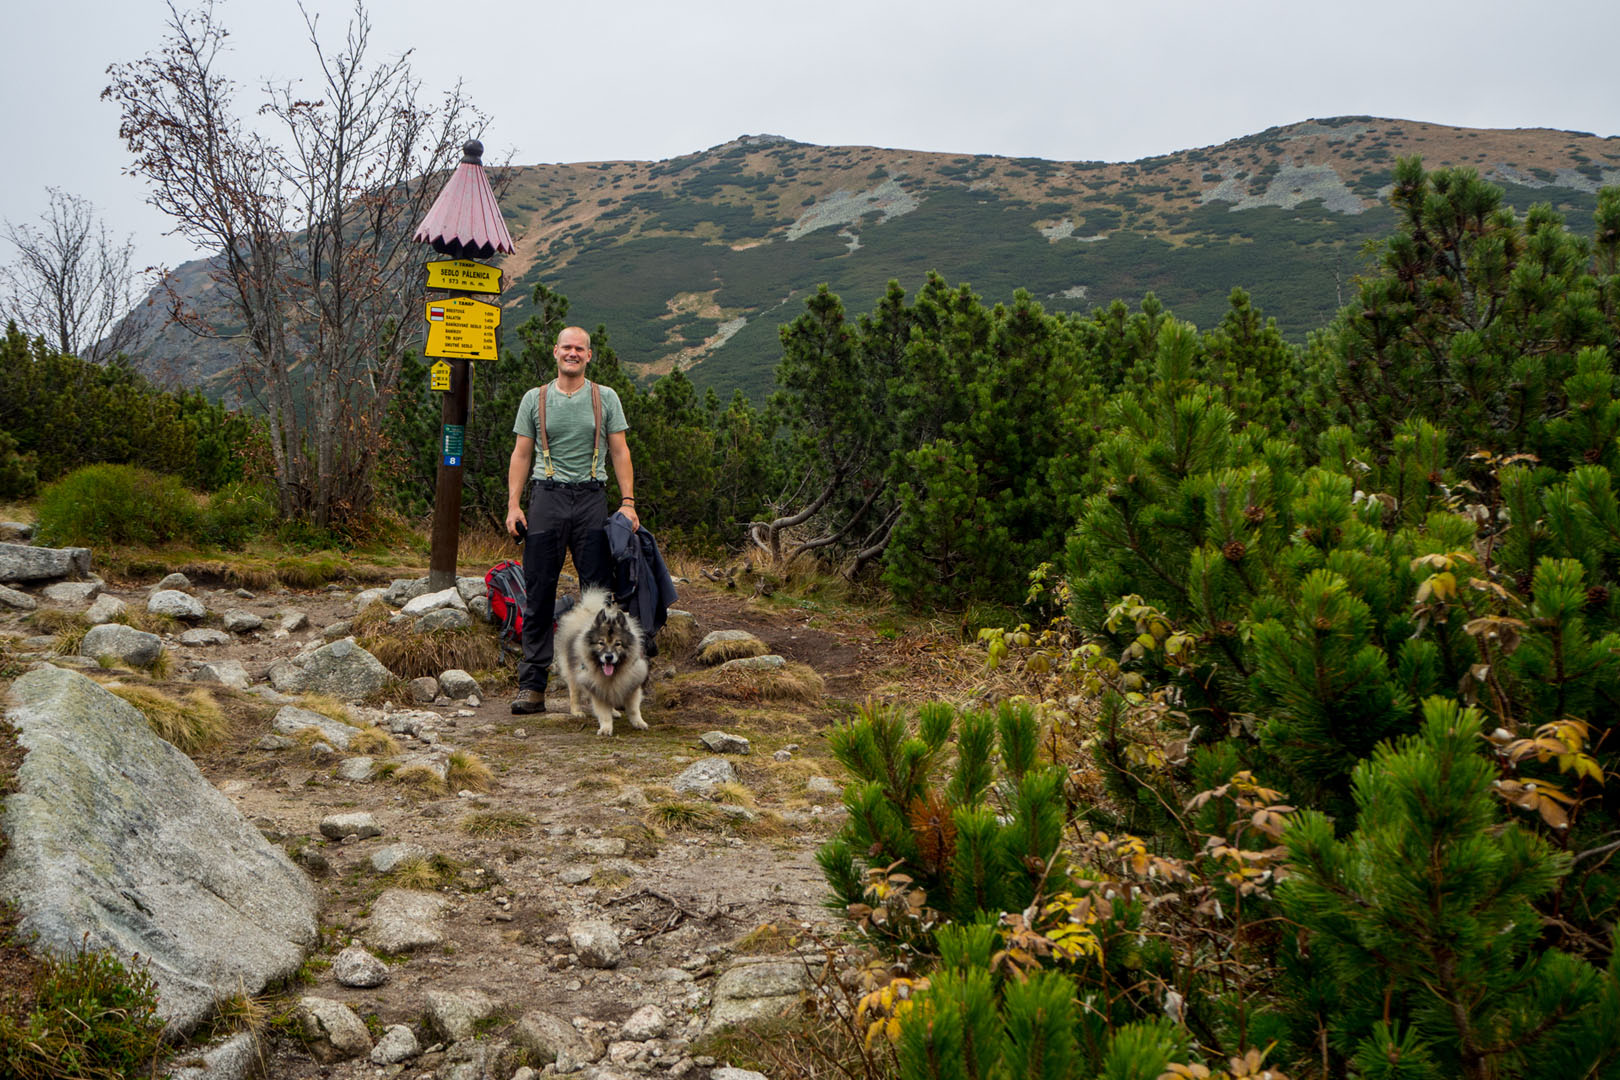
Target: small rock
<point>176,604</point>
<point>175,580</point>
<point>331,1030</point>
<point>236,1057</point>
<point>405,919</point>
<point>443,619</point>
<point>205,636</point>
<point>313,861</point>
<point>356,769</point>
<point>478,607</point>
<point>293,621</point>
<point>731,1072</point>
<point>403,589</point>
<point>124,643</point>
<point>783,755</point>
<point>424,689</point>
<point>601,846</point>
<point>720,645</point>
<point>238,621</point>
<point>396,1045</point>
<point>700,777</point>
<point>106,609</point>
<point>770,662</point>
<point>20,601</point>
<point>243,594</point>
<point>820,785</point>
<point>421,605</point>
<point>385,859</point>
<point>719,742</point>
<point>71,592</point>
<point>340,629</point>
<point>275,742</point>
<point>337,826</point>
<point>596,942</point>
<point>454,1014</point>
<point>647,1022</point>
<point>457,684</point>
<point>552,1040</point>
<point>575,875</point>
<point>291,719</point>
<point>736,812</point>
<point>356,967</point>
<point>366,599</point>
<point>471,588</point>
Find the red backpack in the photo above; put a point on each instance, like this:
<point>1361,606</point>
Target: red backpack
<point>506,598</point>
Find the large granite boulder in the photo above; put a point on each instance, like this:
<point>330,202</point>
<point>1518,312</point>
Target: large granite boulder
<point>21,562</point>
<point>755,989</point>
<point>176,604</point>
<point>341,669</point>
<point>117,841</point>
<point>123,643</point>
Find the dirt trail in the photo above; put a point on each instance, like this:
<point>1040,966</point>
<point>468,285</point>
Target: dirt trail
<point>681,897</point>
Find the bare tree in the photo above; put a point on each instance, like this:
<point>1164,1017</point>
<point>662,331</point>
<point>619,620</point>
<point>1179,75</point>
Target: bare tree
<point>72,284</point>
<point>310,232</point>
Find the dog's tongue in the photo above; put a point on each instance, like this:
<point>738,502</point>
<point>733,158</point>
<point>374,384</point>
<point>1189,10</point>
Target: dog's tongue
<point>607,669</point>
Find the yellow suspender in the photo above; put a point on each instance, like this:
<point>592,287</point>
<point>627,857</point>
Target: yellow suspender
<point>596,440</point>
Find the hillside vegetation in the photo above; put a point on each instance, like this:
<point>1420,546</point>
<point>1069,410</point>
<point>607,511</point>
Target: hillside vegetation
<point>696,260</point>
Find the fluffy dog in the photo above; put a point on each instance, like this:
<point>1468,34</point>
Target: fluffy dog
<point>602,660</point>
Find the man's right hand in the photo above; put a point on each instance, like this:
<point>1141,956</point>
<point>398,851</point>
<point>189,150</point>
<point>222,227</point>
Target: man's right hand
<point>515,520</point>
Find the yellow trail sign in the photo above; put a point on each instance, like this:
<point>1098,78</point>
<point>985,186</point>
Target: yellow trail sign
<point>462,327</point>
<point>439,377</point>
<point>463,274</point>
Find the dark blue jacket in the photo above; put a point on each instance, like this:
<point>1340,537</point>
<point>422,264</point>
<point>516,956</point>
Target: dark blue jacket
<point>641,583</point>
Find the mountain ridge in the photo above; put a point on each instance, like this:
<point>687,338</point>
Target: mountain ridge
<point>695,260</point>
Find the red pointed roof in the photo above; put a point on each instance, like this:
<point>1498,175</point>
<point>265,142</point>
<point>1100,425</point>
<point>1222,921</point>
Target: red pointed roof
<point>465,223</point>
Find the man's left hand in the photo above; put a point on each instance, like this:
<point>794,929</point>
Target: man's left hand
<point>629,511</point>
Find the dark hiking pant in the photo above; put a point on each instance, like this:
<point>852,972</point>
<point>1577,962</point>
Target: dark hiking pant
<point>564,519</point>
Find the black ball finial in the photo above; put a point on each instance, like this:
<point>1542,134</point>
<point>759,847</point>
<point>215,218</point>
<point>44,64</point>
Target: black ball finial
<point>472,152</point>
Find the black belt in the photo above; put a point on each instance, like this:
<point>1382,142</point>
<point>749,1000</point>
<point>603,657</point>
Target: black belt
<point>576,485</point>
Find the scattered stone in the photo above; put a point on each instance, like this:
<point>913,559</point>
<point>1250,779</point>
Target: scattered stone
<point>700,777</point>
<point>401,590</point>
<point>71,592</point>
<point>782,755</point>
<point>271,695</point>
<point>235,1057</point>
<point>631,798</point>
<point>205,636</point>
<point>596,942</point>
<point>471,588</point>
<point>106,609</point>
<point>16,530</point>
<point>385,859</point>
<point>19,601</point>
<point>731,1072</point>
<point>403,920</point>
<point>424,689</point>
<point>820,785</point>
<point>647,1022</point>
<point>176,604</point>
<point>397,1044</point>
<point>340,629</point>
<point>123,643</point>
<point>769,662</point>
<point>356,967</point>
<point>291,719</point>
<point>478,607</point>
<point>680,623</point>
<point>453,1015</point>
<point>275,742</point>
<point>341,669</point>
<point>331,1030</point>
<point>225,672</point>
<point>756,989</point>
<point>737,812</point>
<point>337,826</point>
<point>108,818</point>
<point>603,845</point>
<point>445,598</point>
<point>457,684</point>
<point>365,599</point>
<point>356,769</point>
<point>313,861</point>
<point>575,875</point>
<point>238,621</point>
<point>412,722</point>
<point>719,742</point>
<point>293,621</point>
<point>23,562</point>
<point>721,645</point>
<point>175,580</point>
<point>551,1040</point>
<point>443,619</point>
<point>243,594</point>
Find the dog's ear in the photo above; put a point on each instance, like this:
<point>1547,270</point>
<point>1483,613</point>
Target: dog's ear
<point>602,618</point>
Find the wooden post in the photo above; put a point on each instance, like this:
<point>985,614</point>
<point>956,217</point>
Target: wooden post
<point>446,536</point>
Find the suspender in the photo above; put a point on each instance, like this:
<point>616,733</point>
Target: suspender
<point>596,440</point>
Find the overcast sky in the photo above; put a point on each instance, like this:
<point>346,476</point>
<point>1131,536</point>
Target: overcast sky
<point>650,79</point>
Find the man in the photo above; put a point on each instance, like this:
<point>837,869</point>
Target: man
<point>567,508</point>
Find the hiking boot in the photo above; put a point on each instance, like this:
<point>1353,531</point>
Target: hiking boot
<point>529,702</point>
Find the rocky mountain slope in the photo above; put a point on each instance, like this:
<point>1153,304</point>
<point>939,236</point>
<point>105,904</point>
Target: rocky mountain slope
<point>695,261</point>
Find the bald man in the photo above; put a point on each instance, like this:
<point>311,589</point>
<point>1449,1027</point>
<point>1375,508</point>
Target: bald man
<point>567,505</point>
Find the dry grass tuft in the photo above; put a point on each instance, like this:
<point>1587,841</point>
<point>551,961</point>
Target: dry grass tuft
<point>423,873</point>
<point>468,773</point>
<point>682,816</point>
<point>411,655</point>
<point>421,778</point>
<point>678,638</point>
<point>495,823</point>
<point>308,738</point>
<point>795,682</point>
<point>68,640</point>
<point>328,706</point>
<point>257,578</point>
<point>731,792</point>
<point>193,723</point>
<point>486,546</point>
<point>766,938</point>
<point>721,651</point>
<point>375,742</point>
<point>50,620</point>
<point>310,571</point>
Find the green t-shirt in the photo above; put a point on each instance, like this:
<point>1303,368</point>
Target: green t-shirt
<point>569,427</point>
